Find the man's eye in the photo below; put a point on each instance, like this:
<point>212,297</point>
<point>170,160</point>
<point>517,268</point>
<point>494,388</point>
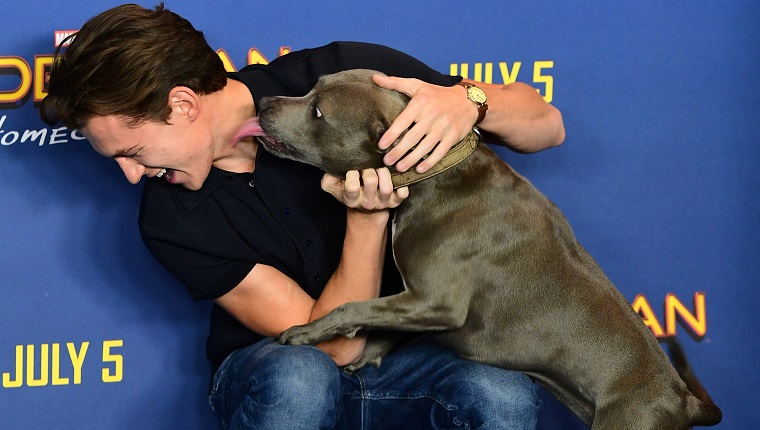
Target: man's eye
<point>317,112</point>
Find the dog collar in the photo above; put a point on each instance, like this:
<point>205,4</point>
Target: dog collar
<point>456,155</point>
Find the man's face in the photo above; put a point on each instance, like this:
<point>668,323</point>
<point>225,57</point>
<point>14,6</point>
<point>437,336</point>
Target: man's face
<point>175,150</point>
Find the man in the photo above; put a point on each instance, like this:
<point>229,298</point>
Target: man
<point>256,235</point>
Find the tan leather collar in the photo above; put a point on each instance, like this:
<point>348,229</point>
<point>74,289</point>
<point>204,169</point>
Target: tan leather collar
<point>456,154</point>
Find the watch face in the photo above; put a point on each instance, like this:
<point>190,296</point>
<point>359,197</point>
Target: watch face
<point>477,95</point>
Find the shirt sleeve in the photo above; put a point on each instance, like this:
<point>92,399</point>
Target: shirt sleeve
<point>299,71</point>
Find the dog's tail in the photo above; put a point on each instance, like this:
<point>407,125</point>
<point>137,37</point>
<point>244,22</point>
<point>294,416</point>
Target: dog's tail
<point>702,410</point>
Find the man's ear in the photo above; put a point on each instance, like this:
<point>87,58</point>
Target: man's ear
<point>185,102</point>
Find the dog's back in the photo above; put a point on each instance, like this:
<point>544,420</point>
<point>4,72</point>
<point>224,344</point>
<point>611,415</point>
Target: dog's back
<point>537,286</point>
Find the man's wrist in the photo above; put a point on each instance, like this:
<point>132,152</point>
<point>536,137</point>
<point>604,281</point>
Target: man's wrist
<point>367,216</point>
<point>478,97</point>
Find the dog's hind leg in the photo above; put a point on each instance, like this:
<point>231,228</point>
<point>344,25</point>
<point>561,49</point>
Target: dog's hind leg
<point>404,312</point>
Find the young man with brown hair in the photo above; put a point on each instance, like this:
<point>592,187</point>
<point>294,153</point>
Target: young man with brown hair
<point>256,234</point>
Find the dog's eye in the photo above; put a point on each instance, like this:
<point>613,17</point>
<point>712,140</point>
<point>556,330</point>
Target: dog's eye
<point>317,112</point>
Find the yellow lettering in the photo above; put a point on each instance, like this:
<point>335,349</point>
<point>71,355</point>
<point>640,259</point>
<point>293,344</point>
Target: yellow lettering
<point>56,371</point>
<point>77,359</point>
<point>226,60</point>
<point>464,70</point>
<point>116,359</point>
<point>697,322</point>
<point>507,76</point>
<point>30,359</point>
<point>538,66</point>
<point>641,306</point>
<point>478,73</point>
<point>42,64</point>
<point>20,66</point>
<point>256,57</point>
<point>15,383</point>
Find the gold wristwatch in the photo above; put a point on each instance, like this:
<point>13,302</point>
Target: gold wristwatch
<point>477,96</point>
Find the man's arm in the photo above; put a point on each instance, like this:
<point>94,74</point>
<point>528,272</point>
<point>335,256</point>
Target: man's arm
<point>439,117</point>
<point>268,302</point>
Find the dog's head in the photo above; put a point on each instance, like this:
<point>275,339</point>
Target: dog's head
<point>336,126</point>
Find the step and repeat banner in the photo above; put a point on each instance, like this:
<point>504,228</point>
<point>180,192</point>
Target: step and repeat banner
<point>659,177</point>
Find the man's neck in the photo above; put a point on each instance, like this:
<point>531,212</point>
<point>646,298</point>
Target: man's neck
<point>229,108</point>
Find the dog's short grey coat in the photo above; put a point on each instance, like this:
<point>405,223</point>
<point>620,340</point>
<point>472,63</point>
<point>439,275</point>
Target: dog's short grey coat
<point>491,266</point>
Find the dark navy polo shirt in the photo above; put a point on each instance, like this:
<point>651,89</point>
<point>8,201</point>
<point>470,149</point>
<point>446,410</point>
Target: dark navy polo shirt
<point>278,215</point>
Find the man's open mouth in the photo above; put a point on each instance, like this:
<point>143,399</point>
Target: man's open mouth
<point>167,174</point>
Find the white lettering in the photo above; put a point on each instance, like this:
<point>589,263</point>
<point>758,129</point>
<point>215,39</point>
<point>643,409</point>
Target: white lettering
<point>34,135</point>
<point>61,35</point>
<point>76,135</point>
<point>56,135</point>
<point>7,142</point>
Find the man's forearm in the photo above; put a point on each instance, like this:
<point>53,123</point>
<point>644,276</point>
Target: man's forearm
<point>519,118</point>
<point>357,278</point>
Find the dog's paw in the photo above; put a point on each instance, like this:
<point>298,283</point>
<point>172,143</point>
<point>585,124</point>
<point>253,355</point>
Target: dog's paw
<point>364,361</point>
<point>298,335</point>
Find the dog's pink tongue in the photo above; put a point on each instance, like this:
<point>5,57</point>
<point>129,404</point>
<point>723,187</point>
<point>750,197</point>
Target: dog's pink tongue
<point>249,128</point>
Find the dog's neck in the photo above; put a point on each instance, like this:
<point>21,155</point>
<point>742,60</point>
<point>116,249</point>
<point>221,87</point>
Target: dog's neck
<point>456,155</point>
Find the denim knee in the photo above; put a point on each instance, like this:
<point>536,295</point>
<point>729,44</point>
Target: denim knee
<point>491,398</point>
<point>273,386</point>
<point>295,372</point>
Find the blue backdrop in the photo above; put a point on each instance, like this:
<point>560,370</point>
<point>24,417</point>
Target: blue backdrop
<point>658,176</point>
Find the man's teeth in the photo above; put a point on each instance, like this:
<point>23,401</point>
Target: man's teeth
<point>161,173</point>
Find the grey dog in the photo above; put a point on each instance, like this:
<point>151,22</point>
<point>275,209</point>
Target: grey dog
<point>490,266</point>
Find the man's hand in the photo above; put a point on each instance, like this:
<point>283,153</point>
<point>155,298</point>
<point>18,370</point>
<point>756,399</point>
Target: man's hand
<point>439,118</point>
<point>370,190</point>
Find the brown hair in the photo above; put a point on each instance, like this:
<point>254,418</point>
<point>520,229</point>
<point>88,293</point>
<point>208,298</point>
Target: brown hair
<point>124,62</point>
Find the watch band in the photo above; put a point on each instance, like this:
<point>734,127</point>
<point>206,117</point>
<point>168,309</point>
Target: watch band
<point>482,106</point>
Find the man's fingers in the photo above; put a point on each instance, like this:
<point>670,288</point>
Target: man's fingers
<point>369,189</point>
<point>407,117</point>
<point>403,85</point>
<point>384,184</point>
<point>401,124</point>
<point>352,188</point>
<point>399,196</point>
<point>436,155</point>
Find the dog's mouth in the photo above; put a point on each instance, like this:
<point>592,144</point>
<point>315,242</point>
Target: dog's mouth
<point>271,144</point>
<point>252,128</point>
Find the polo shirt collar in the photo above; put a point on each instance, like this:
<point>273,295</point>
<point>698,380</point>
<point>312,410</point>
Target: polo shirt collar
<point>192,198</point>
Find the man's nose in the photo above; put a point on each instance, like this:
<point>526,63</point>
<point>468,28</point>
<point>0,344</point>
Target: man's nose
<point>133,170</point>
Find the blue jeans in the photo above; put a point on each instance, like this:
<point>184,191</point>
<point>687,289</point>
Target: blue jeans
<point>419,386</point>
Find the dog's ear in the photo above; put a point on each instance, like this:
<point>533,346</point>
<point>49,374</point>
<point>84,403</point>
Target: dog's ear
<point>378,127</point>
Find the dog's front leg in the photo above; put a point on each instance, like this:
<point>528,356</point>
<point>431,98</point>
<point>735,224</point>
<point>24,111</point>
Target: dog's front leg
<point>403,312</point>
<point>378,345</point>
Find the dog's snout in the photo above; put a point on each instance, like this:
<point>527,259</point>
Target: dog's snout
<point>265,103</point>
